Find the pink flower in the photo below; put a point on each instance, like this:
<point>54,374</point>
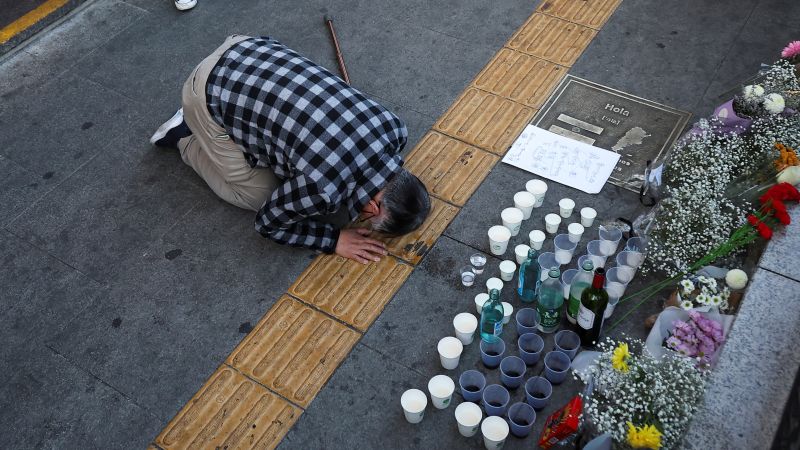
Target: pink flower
<point>791,50</point>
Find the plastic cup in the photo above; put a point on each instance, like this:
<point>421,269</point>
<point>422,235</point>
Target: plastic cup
<point>494,431</point>
<point>565,207</point>
<point>587,216</point>
<point>625,272</point>
<point>547,260</point>
<point>495,400</point>
<point>527,320</point>
<point>630,258</point>
<point>494,283</point>
<point>468,417</point>
<point>596,248</point>
<point>441,388</point>
<point>512,219</point>
<point>472,383</point>
<point>521,416</point>
<point>623,276</point>
<point>524,202</point>
<point>480,299</point>
<point>414,402</point>
<point>615,288</point>
<point>478,261</point>
<point>575,231</point>
<point>612,303</point>
<point>508,310</point>
<point>530,347</point>
<point>635,244</point>
<point>538,391</point>
<point>521,253</point>
<point>565,248</point>
<point>537,238</point>
<point>507,270</point>
<point>450,349</point>
<point>498,239</point>
<point>551,223</point>
<point>568,342</point>
<point>512,371</point>
<point>610,237</point>
<point>556,366</point>
<point>465,325</point>
<point>492,353</point>
<point>538,188</point>
<point>566,280</point>
<point>467,276</point>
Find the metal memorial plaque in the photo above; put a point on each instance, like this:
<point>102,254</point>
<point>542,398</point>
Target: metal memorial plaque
<point>638,129</point>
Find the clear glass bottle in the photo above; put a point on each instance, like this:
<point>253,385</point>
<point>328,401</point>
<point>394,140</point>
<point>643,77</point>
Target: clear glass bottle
<point>551,301</point>
<point>582,280</point>
<point>528,278</point>
<point>492,317</point>
<point>593,307</point>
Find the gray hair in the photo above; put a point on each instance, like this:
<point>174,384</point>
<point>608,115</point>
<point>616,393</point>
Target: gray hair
<point>406,203</point>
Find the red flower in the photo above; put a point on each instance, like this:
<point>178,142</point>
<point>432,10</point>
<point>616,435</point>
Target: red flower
<point>764,230</point>
<point>781,191</point>
<point>752,219</point>
<point>780,212</point>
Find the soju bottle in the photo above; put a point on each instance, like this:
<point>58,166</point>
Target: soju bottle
<point>492,317</point>
<point>581,281</point>
<point>551,299</point>
<point>528,278</point>
<point>593,307</point>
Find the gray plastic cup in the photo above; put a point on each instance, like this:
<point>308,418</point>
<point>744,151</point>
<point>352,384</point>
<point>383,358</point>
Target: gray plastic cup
<point>512,371</point>
<point>610,237</point>
<point>568,342</point>
<point>495,400</point>
<point>527,319</point>
<point>566,280</point>
<point>492,353</point>
<point>630,258</point>
<point>556,366</point>
<point>636,244</point>
<point>538,391</point>
<point>621,275</point>
<point>472,383</point>
<point>530,348</point>
<point>521,416</point>
<point>547,260</point>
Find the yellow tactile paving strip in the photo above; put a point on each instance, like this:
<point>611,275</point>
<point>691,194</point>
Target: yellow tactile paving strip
<point>253,400</point>
<point>451,169</point>
<point>293,350</point>
<point>230,411</point>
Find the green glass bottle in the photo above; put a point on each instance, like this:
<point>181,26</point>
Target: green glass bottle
<point>492,317</point>
<point>551,299</point>
<point>579,284</point>
<point>593,307</point>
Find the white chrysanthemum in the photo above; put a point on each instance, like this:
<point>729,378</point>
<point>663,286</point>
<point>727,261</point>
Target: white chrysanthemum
<point>687,305</point>
<point>752,91</point>
<point>715,300</point>
<point>774,103</point>
<point>703,299</point>
<point>736,279</point>
<point>687,286</point>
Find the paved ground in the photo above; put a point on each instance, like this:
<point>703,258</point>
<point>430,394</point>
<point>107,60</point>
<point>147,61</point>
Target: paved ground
<point>127,282</point>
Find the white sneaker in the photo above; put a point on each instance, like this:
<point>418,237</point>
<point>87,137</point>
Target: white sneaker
<point>184,5</point>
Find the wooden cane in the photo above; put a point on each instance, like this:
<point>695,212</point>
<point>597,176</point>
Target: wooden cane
<point>339,57</point>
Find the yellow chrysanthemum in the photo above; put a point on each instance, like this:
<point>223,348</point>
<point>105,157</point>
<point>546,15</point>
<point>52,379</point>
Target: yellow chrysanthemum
<point>619,360</point>
<point>647,436</point>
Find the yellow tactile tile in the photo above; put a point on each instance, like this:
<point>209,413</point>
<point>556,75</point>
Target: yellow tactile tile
<point>520,77</point>
<point>450,169</point>
<point>592,13</point>
<point>413,246</point>
<point>485,120</point>
<point>293,350</point>
<point>556,40</point>
<point>230,412</point>
<point>354,293</point>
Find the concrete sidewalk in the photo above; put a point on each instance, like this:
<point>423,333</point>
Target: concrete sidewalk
<point>127,283</point>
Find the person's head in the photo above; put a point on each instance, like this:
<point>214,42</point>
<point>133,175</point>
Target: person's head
<point>401,206</point>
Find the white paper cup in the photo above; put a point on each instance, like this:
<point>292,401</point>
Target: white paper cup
<point>565,207</point>
<point>524,202</point>
<point>537,238</point>
<point>587,216</point>
<point>508,310</point>
<point>480,299</point>
<point>512,219</point>
<point>538,188</point>
<point>468,416</point>
<point>465,325</point>
<point>450,350</point>
<point>414,402</point>
<point>441,388</point>
<point>495,432</point>
<point>521,252</point>
<point>494,283</point>
<point>575,231</point>
<point>507,269</point>
<point>551,222</point>
<point>498,239</point>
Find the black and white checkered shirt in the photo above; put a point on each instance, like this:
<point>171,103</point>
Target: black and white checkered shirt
<point>329,144</point>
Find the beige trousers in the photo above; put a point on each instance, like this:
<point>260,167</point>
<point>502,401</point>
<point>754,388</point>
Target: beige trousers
<point>212,153</point>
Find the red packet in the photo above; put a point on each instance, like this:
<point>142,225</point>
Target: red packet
<point>561,423</point>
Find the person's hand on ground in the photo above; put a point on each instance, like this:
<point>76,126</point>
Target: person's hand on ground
<point>354,244</point>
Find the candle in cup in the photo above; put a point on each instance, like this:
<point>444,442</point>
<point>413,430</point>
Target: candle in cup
<point>478,261</point>
<point>467,276</point>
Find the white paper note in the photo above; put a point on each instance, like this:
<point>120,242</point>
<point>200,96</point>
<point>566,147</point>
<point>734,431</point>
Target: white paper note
<point>566,161</point>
